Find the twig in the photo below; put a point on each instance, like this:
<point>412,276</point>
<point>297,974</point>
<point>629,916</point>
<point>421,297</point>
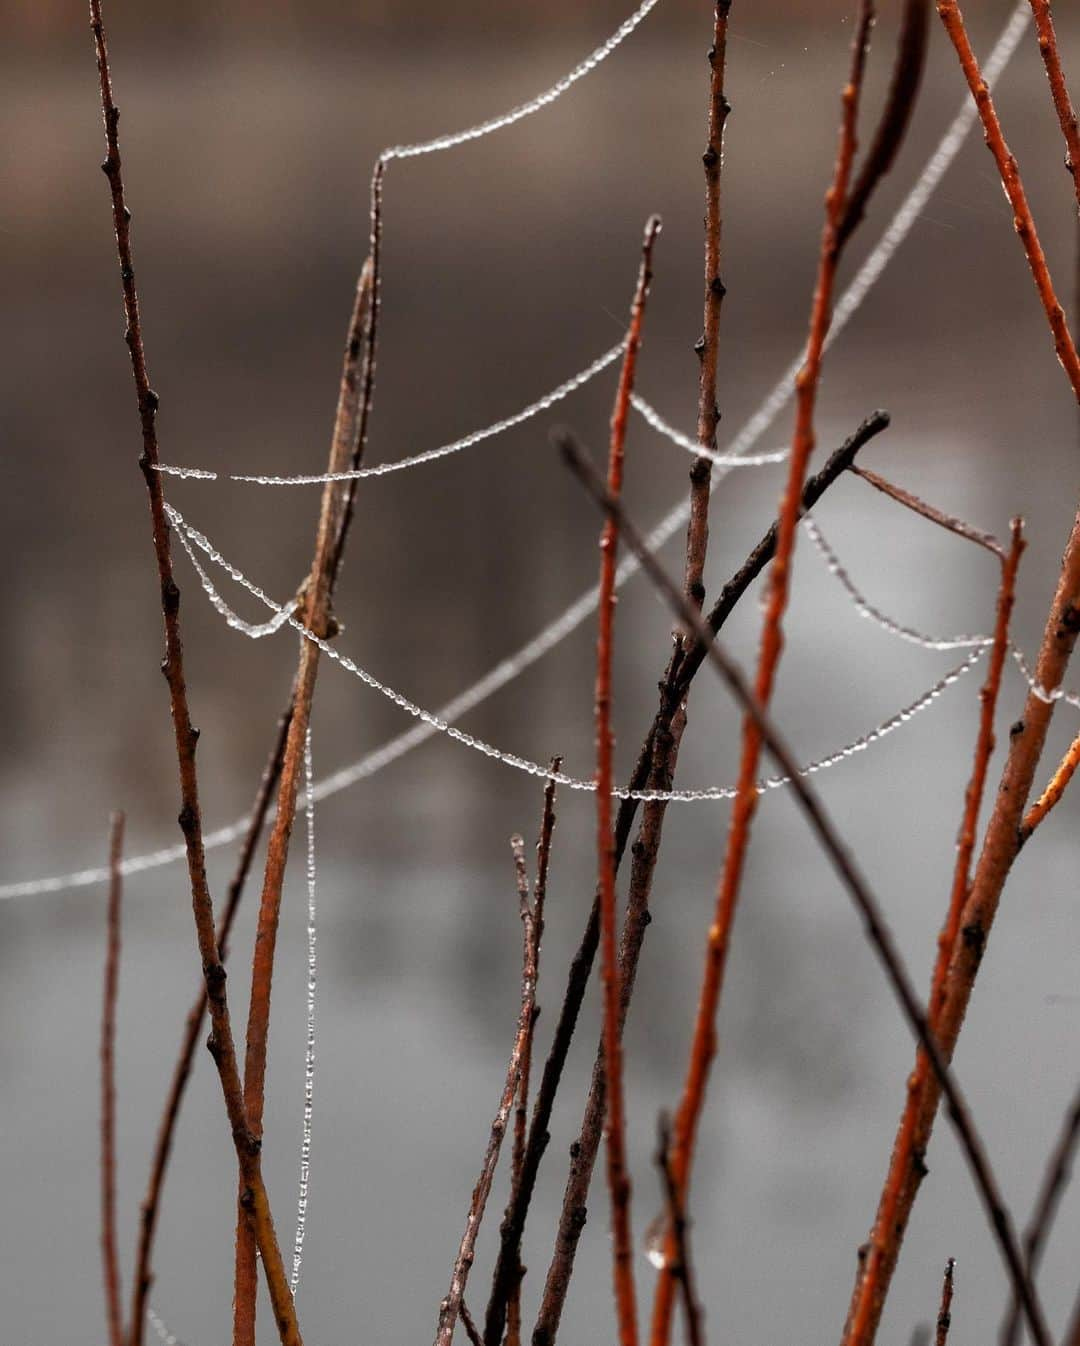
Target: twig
<point>543,865</point>
<point>866,903</point>
<point>1003,836</point>
<point>1059,90</point>
<point>618,1179</point>
<point>109,1257</point>
<point>943,520</point>
<point>944,1318</point>
<point>471,1330</point>
<point>170,1115</point>
<point>450,1307</point>
<point>1055,788</point>
<point>896,115</point>
<point>654,767</point>
<point>683,1269</point>
<point>908,1156</point>
<point>708,347</point>
<point>1055,1178</point>
<point>704,1037</point>
<point>221,1042</point>
<point>318,617</point>
<point>1009,172</point>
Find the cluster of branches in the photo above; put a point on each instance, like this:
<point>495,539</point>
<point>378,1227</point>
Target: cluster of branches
<point>974,892</point>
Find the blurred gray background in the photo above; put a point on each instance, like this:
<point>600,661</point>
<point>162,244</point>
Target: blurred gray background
<point>248,135</point>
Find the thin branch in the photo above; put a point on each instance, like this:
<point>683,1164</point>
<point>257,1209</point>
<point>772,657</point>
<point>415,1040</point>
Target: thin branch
<point>109,1257</point>
<point>450,1307</point>
<point>1009,172</point>
<point>1055,789</point>
<point>704,1036</point>
<point>618,1178</point>
<point>170,1115</point>
<point>318,617</point>
<point>676,1218</point>
<point>708,346</point>
<point>943,520</point>
<point>1059,89</point>
<point>895,117</point>
<point>858,889</point>
<point>1056,1177</point>
<point>471,1330</point>
<point>521,1116</point>
<point>221,1041</point>
<point>944,1318</point>
<point>908,1160</point>
<point>654,768</point>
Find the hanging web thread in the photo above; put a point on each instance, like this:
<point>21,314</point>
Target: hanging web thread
<point>562,626</point>
<point>309,1039</point>
<point>191,538</point>
<point>160,1330</point>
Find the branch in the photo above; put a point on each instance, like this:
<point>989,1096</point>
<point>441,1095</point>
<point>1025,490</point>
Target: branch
<point>865,902</point>
<point>170,1115</point>
<point>317,617</point>
<point>944,1318</point>
<point>947,521</point>
<point>451,1305</point>
<point>1059,90</point>
<point>907,1164</point>
<point>109,1258</point>
<point>683,1270</point>
<point>221,1041</point>
<point>1058,1168</point>
<point>1055,788</point>
<point>704,1037</point>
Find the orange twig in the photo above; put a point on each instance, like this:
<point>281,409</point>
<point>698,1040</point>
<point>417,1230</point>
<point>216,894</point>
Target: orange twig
<point>317,617</point>
<point>110,1260</point>
<point>618,1179</point>
<point>1009,171</point>
<point>944,1318</point>
<point>704,1038</point>
<point>1059,90</point>
<point>907,1163</point>
<point>1056,787</point>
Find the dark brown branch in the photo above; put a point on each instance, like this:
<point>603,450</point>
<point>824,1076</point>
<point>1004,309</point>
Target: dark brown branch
<point>1055,1179</point>
<point>865,902</point>
<point>151,1205</point>
<point>109,1257</point>
<point>450,1307</point>
<point>683,1269</point>
<point>221,1041</point>
<point>944,1318</point>
<point>896,116</point>
<point>943,520</point>
<point>471,1330</point>
<point>653,769</point>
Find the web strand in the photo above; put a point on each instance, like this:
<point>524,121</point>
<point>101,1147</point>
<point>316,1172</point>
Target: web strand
<point>562,626</point>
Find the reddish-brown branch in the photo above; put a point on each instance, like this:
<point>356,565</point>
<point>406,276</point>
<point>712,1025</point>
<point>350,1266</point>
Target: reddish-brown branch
<point>862,896</point>
<point>109,1257</point>
<point>318,617</point>
<point>704,1037</point>
<point>708,347</point>
<point>221,1041</point>
<point>908,1158</point>
<point>654,769</point>
<point>683,1269</point>
<point>151,1205</point>
<point>1007,167</point>
<point>944,1318</point>
<point>618,1178</point>
<point>1055,788</point>
<point>1059,89</point>
<point>450,1307</point>
<point>467,1322</point>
